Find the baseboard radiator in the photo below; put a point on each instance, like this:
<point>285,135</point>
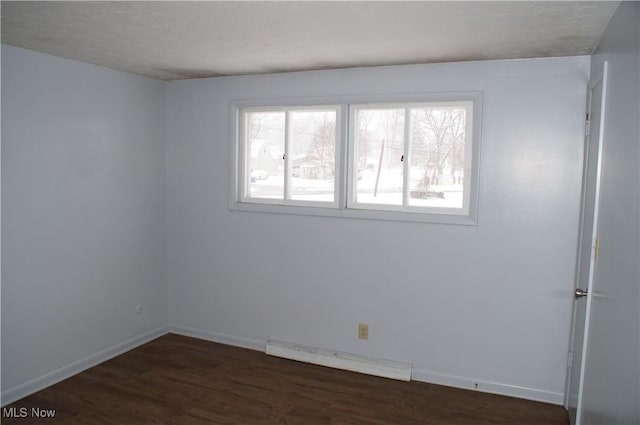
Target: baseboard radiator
<point>335,359</point>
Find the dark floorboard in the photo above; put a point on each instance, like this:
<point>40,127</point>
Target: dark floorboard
<point>180,380</point>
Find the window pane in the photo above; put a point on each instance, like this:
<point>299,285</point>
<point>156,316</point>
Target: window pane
<point>265,149</point>
<point>312,143</point>
<point>379,144</point>
<point>437,157</point>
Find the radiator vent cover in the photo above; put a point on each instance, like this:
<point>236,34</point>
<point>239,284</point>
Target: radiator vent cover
<point>338,360</point>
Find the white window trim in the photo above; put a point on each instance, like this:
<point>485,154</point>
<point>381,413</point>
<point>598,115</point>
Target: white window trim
<point>339,209</point>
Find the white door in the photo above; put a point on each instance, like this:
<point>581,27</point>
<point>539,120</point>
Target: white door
<point>588,245</point>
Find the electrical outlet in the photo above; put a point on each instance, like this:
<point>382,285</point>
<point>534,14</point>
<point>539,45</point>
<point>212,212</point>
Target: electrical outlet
<point>363,331</point>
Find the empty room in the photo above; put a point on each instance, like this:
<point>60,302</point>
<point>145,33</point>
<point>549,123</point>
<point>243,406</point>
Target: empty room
<point>320,212</point>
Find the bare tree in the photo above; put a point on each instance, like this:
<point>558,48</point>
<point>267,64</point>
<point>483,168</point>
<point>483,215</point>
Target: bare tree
<point>437,142</point>
<point>393,125</point>
<point>323,142</point>
<point>364,129</point>
<point>256,126</point>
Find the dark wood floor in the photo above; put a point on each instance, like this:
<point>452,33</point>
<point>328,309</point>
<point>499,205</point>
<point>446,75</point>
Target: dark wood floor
<point>180,380</point>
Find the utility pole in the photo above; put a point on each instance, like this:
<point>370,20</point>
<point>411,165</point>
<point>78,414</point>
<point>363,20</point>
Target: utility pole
<point>375,189</point>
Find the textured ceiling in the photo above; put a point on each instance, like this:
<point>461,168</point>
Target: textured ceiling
<point>173,40</point>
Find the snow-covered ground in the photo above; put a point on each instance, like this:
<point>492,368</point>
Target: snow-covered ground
<point>389,190</point>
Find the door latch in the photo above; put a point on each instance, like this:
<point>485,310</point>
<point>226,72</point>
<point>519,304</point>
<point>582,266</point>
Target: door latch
<point>581,293</point>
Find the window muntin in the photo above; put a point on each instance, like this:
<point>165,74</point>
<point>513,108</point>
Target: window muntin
<point>412,157</point>
<point>290,155</point>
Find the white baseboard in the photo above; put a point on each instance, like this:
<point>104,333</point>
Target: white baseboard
<point>236,341</point>
<point>346,361</point>
<point>487,386</point>
<point>416,374</point>
<point>36,384</point>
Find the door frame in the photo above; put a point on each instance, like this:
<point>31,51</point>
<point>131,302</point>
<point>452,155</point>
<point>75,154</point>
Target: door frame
<point>594,236</point>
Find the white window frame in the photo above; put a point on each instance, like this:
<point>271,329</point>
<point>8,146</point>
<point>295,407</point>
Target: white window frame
<point>344,207</point>
<point>244,182</point>
<point>352,201</point>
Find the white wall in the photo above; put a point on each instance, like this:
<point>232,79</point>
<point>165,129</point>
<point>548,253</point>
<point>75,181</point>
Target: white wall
<point>488,304</point>
<point>612,379</point>
<point>83,216</point>
<point>83,211</point>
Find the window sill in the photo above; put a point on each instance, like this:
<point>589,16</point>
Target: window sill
<point>465,220</point>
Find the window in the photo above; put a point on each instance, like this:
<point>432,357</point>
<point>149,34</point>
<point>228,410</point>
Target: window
<point>414,158</point>
<point>411,158</point>
<point>290,156</point>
